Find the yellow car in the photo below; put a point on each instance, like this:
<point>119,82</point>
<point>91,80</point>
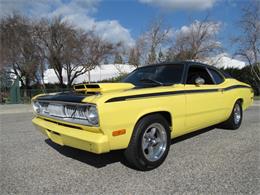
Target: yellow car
<point>152,105</point>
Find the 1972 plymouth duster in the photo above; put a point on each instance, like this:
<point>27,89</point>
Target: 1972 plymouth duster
<point>152,105</point>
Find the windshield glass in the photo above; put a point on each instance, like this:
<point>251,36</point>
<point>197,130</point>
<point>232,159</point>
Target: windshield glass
<point>156,75</point>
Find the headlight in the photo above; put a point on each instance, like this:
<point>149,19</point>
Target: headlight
<point>36,107</point>
<point>92,115</point>
<point>81,112</point>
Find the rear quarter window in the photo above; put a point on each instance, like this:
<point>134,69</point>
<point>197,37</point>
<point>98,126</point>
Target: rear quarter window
<point>218,78</point>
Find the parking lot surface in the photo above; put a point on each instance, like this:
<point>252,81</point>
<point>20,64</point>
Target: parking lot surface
<point>209,161</point>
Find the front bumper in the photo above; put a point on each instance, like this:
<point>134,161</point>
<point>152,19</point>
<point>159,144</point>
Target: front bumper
<point>73,137</point>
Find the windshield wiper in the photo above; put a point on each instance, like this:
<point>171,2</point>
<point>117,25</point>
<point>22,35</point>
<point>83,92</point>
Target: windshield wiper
<point>152,81</point>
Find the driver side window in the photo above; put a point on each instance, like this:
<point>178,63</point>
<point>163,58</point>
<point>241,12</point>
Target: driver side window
<point>196,72</point>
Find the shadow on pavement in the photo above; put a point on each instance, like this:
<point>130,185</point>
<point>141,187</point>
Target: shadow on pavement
<point>101,160</point>
<point>95,160</point>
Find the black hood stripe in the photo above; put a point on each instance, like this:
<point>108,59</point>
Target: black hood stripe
<point>64,97</point>
<point>123,98</point>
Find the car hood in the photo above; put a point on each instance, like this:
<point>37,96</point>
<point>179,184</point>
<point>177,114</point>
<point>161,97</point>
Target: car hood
<point>82,91</point>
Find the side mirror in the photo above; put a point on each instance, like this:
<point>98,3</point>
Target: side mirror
<point>199,81</point>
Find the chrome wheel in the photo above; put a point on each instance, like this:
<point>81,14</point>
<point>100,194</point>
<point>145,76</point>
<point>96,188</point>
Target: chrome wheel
<point>154,142</point>
<point>237,114</point>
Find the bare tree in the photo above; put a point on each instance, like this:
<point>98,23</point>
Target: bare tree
<point>196,42</point>
<point>3,57</point>
<point>53,35</point>
<point>161,56</point>
<point>153,39</point>
<point>149,44</point>
<point>118,59</point>
<point>18,46</point>
<point>40,29</point>
<point>138,54</point>
<point>73,55</point>
<point>134,57</point>
<point>70,50</point>
<point>96,50</point>
<point>249,40</point>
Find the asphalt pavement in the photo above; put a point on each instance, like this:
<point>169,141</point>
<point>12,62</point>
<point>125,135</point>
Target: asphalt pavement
<point>210,161</point>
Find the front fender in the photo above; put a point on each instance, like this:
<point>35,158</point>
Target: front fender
<point>125,114</point>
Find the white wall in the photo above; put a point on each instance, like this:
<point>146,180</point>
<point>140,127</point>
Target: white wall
<point>106,71</point>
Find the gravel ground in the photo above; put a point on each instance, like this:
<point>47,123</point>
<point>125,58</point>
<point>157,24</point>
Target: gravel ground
<point>209,162</point>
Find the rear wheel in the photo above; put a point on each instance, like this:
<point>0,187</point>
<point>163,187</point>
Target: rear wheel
<point>150,143</point>
<point>235,118</point>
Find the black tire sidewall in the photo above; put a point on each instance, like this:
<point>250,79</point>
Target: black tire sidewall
<point>140,129</point>
<point>233,113</point>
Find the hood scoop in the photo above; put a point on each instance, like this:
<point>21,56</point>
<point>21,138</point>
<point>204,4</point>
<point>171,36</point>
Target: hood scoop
<point>94,88</point>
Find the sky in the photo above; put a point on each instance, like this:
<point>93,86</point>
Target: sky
<point>125,20</point>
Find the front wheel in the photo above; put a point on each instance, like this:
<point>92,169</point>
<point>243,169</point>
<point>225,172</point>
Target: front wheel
<point>235,118</point>
<point>150,143</point>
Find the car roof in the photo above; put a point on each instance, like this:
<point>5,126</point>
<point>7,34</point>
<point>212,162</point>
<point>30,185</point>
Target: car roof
<point>187,63</point>
<point>178,62</point>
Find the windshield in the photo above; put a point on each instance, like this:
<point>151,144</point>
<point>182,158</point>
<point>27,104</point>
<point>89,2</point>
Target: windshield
<point>156,75</point>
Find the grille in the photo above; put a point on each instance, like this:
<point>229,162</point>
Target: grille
<point>65,111</point>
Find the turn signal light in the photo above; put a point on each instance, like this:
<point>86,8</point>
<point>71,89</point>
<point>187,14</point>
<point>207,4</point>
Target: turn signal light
<point>119,132</point>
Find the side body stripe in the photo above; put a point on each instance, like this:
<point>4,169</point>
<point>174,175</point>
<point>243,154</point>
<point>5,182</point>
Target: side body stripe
<point>123,98</point>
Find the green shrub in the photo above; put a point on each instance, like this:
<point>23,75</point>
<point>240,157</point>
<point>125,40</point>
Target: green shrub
<point>114,79</point>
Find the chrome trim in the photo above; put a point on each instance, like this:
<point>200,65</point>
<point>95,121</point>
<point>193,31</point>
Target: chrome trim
<point>237,114</point>
<point>73,121</point>
<point>68,119</point>
<point>154,142</point>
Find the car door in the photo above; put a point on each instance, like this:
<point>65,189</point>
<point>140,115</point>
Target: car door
<point>203,98</point>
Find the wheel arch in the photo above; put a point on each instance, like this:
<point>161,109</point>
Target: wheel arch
<point>241,100</point>
<point>134,152</point>
<point>165,114</point>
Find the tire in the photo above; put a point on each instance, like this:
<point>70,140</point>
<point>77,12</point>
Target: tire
<point>149,144</point>
<point>235,119</point>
